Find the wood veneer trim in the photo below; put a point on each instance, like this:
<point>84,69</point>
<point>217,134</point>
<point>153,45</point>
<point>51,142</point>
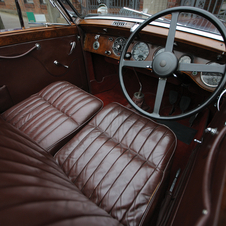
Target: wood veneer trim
<point>33,34</point>
<point>184,37</point>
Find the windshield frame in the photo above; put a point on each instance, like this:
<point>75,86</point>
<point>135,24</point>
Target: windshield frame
<point>214,34</point>
<point>206,34</point>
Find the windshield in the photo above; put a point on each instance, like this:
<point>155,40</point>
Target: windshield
<point>45,12</point>
<point>141,9</point>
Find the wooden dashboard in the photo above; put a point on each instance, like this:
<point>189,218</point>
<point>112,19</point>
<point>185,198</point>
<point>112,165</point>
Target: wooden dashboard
<point>101,37</point>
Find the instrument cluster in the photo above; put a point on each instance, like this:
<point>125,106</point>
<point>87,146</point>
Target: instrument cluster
<point>141,51</point>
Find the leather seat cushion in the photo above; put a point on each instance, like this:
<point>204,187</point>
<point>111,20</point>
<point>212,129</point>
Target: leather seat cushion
<point>51,115</point>
<point>120,161</point>
<point>35,190</point>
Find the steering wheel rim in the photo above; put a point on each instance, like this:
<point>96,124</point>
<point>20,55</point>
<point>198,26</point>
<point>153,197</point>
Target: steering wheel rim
<point>179,67</point>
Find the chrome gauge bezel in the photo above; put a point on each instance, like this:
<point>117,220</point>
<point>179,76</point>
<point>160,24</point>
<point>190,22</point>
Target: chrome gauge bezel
<point>158,51</point>
<point>145,54</point>
<point>119,42</point>
<point>96,45</point>
<point>212,75</point>
<point>188,56</point>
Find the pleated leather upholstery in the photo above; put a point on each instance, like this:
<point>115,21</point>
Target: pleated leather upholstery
<point>120,161</point>
<point>34,190</point>
<point>51,115</point>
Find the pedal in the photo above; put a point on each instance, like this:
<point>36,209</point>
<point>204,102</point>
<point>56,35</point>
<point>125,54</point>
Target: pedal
<point>184,103</point>
<point>173,96</point>
<point>192,119</point>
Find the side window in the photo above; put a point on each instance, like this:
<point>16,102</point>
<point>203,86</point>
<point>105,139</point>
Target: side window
<point>35,13</point>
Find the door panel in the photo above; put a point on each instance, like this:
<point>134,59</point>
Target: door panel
<point>28,74</point>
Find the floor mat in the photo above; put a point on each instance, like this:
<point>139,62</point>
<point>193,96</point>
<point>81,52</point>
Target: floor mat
<point>183,133</point>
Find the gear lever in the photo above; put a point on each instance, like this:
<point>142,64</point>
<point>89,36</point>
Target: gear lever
<point>138,97</point>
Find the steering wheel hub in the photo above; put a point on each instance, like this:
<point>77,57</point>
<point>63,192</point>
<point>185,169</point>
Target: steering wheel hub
<point>164,64</point>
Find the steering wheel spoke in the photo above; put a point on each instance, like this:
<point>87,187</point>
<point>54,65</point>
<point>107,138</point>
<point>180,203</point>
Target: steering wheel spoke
<point>172,32</point>
<point>138,64</point>
<point>159,95</point>
<point>217,68</point>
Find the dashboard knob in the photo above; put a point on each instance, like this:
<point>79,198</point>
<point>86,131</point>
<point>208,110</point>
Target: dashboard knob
<point>118,47</point>
<point>128,56</point>
<point>108,52</point>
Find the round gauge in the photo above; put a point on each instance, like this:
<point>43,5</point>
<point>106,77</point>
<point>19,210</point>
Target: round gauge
<point>118,46</point>
<point>140,51</point>
<point>187,59</point>
<point>96,45</point>
<point>158,51</point>
<point>211,79</point>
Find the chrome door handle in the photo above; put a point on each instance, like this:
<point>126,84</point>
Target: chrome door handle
<point>59,64</point>
<point>73,44</point>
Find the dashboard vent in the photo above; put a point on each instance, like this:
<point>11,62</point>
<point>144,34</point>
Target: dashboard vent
<point>119,23</point>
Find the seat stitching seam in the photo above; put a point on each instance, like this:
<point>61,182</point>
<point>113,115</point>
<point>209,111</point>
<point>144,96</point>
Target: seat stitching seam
<point>128,128</point>
<point>98,164</point>
<point>30,156</point>
<point>35,118</point>
<point>83,154</point>
<point>31,185</point>
<point>52,91</point>
<point>17,113</point>
<point>98,125</point>
<point>43,178</point>
<point>122,122</point>
<point>19,105</point>
<point>108,169</point>
<point>51,87</point>
<point>116,178</point>
<point>71,94</point>
<point>82,105</point>
<point>37,107</point>
<point>134,175</point>
<point>150,176</point>
<point>41,132</point>
<point>39,125</point>
<point>73,99</point>
<point>54,128</point>
<point>77,146</point>
<point>155,169</point>
<point>149,135</point>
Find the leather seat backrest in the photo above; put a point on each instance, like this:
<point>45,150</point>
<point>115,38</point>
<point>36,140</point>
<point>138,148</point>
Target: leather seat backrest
<point>34,189</point>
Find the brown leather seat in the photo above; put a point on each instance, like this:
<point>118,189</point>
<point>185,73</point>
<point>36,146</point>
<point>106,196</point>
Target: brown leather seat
<point>35,190</point>
<point>120,161</point>
<point>113,172</point>
<point>52,116</point>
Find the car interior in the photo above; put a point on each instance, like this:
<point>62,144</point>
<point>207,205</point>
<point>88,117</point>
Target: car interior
<point>104,122</point>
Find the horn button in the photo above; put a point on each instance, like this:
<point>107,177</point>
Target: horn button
<point>164,64</point>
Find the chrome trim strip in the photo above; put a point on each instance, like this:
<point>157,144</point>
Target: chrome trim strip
<point>56,4</point>
<point>160,24</point>
<point>135,20</point>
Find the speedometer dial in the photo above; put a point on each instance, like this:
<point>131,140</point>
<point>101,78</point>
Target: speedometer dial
<point>211,79</point>
<point>140,51</point>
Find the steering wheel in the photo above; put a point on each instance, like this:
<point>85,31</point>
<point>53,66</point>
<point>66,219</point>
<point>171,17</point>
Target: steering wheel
<point>165,64</point>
